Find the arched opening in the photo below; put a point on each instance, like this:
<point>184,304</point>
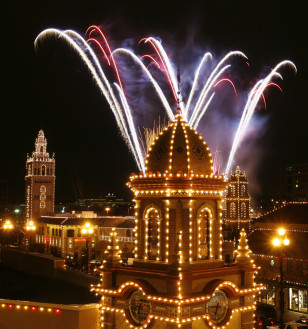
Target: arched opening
<point>243,190</point>
<point>43,170</point>
<point>42,149</point>
<point>232,190</point>
<point>152,233</point>
<point>232,210</point>
<point>243,210</point>
<point>203,238</point>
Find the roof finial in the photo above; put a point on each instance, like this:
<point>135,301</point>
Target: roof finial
<point>179,100</point>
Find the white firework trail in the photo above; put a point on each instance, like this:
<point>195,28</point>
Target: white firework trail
<point>101,81</point>
<point>150,77</point>
<point>253,99</point>
<point>121,109</point>
<point>194,87</point>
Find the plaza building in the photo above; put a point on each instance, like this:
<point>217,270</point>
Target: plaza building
<point>62,235</point>
<point>40,181</point>
<point>178,278</point>
<point>286,266</point>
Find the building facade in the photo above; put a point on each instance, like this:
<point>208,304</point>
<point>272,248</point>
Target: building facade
<point>62,235</point>
<point>40,180</point>
<point>297,182</point>
<point>291,259</point>
<point>178,278</point>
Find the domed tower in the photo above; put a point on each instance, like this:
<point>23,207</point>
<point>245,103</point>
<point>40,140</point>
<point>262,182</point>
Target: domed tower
<point>178,278</point>
<point>40,180</point>
<point>178,193</point>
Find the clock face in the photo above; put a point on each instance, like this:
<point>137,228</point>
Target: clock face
<point>139,307</point>
<point>218,307</point>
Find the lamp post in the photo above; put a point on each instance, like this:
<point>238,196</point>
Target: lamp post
<point>87,230</point>
<point>107,210</point>
<point>30,227</point>
<point>7,226</point>
<point>281,241</point>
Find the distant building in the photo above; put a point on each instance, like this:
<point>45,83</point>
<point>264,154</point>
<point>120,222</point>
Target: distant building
<point>109,205</point>
<point>40,181</point>
<point>62,234</point>
<point>297,182</point>
<point>237,201</point>
<point>293,217</point>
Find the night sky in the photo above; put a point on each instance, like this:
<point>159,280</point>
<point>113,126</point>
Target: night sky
<point>52,90</point>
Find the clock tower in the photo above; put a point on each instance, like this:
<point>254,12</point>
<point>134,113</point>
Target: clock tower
<point>40,181</point>
<point>178,278</point>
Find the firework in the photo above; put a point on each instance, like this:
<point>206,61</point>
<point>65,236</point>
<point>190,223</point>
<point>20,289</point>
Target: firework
<point>200,95</point>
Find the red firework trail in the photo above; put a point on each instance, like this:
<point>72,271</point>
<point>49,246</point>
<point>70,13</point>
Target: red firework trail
<point>94,27</point>
<point>101,48</point>
<point>228,80</point>
<point>268,85</point>
<point>152,58</point>
<point>165,69</point>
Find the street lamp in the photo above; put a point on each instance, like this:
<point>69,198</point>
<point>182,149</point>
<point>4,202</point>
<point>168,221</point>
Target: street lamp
<point>30,228</point>
<point>107,210</point>
<point>281,241</point>
<point>7,225</point>
<point>87,230</point>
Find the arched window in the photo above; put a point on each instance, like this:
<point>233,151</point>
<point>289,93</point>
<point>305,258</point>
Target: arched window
<point>35,171</point>
<point>232,210</point>
<point>243,210</point>
<point>42,149</point>
<point>232,190</point>
<point>50,171</point>
<point>203,234</point>
<point>43,170</point>
<point>152,218</point>
<point>243,190</point>
<point>38,171</point>
<point>47,171</point>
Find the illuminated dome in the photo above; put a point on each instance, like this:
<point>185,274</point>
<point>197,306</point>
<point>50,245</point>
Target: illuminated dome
<point>179,149</point>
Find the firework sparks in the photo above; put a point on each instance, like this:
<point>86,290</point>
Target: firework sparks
<point>200,96</point>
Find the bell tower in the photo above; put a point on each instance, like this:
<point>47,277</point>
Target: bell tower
<point>178,279</point>
<point>238,202</point>
<point>40,180</point>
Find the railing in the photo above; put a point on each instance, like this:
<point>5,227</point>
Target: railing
<point>119,238</point>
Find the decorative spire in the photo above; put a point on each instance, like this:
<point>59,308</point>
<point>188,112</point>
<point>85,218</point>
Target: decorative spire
<point>113,251</point>
<point>41,145</point>
<point>243,250</point>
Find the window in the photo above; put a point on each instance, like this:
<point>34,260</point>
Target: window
<point>47,171</point>
<point>153,217</point>
<point>243,190</point>
<point>232,210</point>
<point>53,232</point>
<point>70,233</point>
<point>298,300</point>
<point>43,170</point>
<point>243,210</point>
<point>232,190</point>
<point>35,171</point>
<point>42,149</point>
<point>203,235</point>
